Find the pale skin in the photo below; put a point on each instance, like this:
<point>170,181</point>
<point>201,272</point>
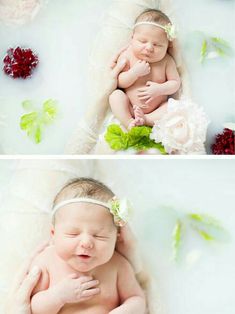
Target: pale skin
<point>81,272</point>
<point>149,77</point>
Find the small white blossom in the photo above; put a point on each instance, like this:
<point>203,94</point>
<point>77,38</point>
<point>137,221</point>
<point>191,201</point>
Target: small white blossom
<point>121,210</point>
<point>170,29</point>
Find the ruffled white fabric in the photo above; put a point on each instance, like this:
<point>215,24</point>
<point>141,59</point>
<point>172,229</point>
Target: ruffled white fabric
<point>19,11</point>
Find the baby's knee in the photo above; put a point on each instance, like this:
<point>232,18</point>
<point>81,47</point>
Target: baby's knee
<point>116,95</point>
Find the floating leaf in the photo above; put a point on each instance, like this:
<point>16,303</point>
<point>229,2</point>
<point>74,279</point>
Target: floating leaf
<point>205,220</point>
<point>27,104</point>
<point>205,235</point>
<point>221,42</point>
<point>176,239</point>
<point>34,122</point>
<point>49,110</point>
<point>203,50</point>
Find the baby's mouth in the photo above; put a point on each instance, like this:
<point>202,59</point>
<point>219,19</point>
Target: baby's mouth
<point>84,256</point>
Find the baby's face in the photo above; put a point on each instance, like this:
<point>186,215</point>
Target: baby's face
<point>84,235</point>
<point>149,43</point>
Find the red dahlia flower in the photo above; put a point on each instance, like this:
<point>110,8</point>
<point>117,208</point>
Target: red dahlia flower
<point>19,63</point>
<point>224,143</point>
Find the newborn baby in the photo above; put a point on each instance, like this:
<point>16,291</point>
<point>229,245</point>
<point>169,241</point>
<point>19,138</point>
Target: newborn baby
<point>81,272</point>
<point>150,75</point>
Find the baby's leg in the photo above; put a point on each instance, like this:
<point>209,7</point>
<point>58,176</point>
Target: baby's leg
<point>121,108</point>
<point>157,114</point>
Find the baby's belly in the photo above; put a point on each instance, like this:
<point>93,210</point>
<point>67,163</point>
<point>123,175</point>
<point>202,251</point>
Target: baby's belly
<point>132,93</point>
<point>101,304</point>
<point>76,309</point>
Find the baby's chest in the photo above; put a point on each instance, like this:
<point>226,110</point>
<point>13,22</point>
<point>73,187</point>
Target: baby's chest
<point>157,73</point>
<point>102,303</point>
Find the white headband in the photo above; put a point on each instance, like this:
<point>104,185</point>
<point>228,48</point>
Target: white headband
<point>120,209</point>
<point>169,28</point>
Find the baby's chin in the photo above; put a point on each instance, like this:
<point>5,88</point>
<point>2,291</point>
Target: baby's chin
<point>148,59</point>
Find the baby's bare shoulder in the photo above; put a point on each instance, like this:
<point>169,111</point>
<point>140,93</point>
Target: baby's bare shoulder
<point>43,258</point>
<point>169,59</point>
<point>120,261</point>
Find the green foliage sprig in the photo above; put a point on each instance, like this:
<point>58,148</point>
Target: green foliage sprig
<point>207,227</point>
<point>214,47</point>
<point>137,138</point>
<point>34,122</point>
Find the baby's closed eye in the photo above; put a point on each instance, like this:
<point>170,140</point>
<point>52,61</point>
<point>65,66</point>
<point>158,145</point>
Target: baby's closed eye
<point>101,237</point>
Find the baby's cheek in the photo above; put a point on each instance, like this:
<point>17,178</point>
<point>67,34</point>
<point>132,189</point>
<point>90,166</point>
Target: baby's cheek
<point>65,249</point>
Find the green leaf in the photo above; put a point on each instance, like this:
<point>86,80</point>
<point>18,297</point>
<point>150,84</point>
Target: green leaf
<point>205,220</point>
<point>137,138</point>
<point>221,42</point>
<point>176,239</point>
<point>116,138</point>
<point>205,235</point>
<point>27,104</point>
<point>38,135</point>
<point>203,50</point>
<point>28,121</point>
<point>34,122</point>
<point>49,111</point>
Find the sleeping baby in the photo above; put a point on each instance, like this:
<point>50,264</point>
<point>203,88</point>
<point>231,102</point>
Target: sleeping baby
<point>150,75</point>
<point>81,271</point>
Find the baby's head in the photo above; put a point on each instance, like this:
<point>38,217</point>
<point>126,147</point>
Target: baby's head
<point>83,229</point>
<point>150,40</point>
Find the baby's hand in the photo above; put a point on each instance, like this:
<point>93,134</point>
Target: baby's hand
<point>141,68</point>
<point>148,93</point>
<point>73,289</point>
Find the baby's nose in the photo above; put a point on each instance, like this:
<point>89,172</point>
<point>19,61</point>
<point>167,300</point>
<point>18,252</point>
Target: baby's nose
<point>149,46</point>
<point>86,242</point>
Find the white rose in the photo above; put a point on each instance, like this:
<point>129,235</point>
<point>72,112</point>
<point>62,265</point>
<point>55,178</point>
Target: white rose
<point>182,130</point>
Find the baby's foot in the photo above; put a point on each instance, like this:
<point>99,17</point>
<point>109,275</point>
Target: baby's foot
<point>131,124</point>
<point>139,116</point>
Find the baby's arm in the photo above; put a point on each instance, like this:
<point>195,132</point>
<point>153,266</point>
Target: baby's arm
<point>173,79</point>
<point>130,75</point>
<point>131,295</point>
<point>50,300</point>
<point>44,300</point>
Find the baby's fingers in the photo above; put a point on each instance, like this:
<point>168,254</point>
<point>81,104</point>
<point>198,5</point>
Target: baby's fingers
<point>90,292</point>
<point>142,90</point>
<point>149,100</point>
<point>144,97</point>
<point>84,279</point>
<point>89,284</point>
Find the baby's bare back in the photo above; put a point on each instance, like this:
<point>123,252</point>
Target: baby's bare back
<point>157,74</point>
<point>102,303</point>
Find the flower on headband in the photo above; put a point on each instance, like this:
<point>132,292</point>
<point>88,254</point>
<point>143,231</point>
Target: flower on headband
<point>170,31</point>
<point>121,210</point>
